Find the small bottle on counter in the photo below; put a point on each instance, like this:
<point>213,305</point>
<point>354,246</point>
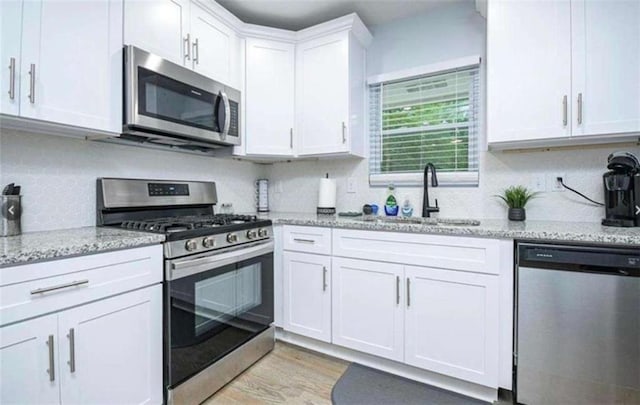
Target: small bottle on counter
<point>391,204</point>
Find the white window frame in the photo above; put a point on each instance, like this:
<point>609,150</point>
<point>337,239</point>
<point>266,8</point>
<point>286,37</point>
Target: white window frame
<point>459,179</point>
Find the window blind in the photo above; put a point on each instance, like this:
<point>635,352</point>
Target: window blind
<point>430,118</point>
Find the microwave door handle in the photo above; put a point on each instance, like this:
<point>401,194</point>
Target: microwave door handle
<point>224,113</point>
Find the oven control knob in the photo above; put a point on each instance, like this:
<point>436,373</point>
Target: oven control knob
<point>232,238</point>
<point>263,233</point>
<point>191,245</point>
<point>208,242</point>
<point>252,234</point>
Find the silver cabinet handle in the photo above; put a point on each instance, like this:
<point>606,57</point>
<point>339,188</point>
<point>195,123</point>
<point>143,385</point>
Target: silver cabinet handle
<point>187,47</point>
<point>59,287</point>
<point>291,138</point>
<point>564,111</point>
<point>32,83</point>
<point>579,108</point>
<point>12,78</point>
<point>408,292</point>
<point>344,135</point>
<point>72,350</point>
<point>397,290</point>
<point>304,240</point>
<point>196,52</point>
<point>324,278</point>
<point>52,366</point>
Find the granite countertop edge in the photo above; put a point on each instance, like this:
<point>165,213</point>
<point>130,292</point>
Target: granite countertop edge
<point>547,231</point>
<point>43,246</point>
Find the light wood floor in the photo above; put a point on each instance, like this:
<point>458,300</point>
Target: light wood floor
<point>287,375</point>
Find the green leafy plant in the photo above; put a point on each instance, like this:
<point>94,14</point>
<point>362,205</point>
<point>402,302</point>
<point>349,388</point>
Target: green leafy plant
<point>517,196</point>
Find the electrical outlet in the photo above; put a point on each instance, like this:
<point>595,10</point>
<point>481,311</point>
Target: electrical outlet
<point>351,185</point>
<point>555,183</point>
<point>539,183</point>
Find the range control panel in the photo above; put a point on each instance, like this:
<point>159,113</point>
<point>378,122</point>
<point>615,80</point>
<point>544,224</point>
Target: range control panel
<point>164,189</point>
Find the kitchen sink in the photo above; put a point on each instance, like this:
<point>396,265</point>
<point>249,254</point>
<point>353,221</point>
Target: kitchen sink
<point>423,221</point>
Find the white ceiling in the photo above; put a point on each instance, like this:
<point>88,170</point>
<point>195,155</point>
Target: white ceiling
<point>298,14</point>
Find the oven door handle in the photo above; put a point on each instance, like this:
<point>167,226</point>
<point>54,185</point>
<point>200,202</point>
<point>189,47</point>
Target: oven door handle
<point>186,267</point>
<point>224,110</point>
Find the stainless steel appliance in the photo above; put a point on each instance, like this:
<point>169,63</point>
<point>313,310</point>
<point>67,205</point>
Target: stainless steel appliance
<point>218,290</point>
<point>168,104</point>
<point>577,326</point>
<point>622,190</point>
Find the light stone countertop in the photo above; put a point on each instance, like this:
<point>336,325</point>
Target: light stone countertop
<point>554,231</point>
<point>49,245</point>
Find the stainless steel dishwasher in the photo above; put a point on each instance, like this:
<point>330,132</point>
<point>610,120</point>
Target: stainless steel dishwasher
<point>577,325</point>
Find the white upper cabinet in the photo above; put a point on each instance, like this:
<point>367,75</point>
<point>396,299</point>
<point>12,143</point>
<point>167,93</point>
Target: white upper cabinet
<point>160,27</point>
<point>528,70</point>
<point>68,62</point>
<point>323,95</point>
<point>269,97</point>
<point>187,34</point>
<point>560,70</point>
<point>11,31</point>
<point>324,87</point>
<point>606,66</point>
<point>212,46</point>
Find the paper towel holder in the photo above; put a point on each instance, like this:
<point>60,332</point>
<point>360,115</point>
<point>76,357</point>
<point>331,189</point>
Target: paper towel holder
<point>326,196</point>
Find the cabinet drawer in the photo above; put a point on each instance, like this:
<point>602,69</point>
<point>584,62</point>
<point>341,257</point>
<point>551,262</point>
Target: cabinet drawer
<point>35,289</point>
<point>445,252</point>
<point>307,239</point>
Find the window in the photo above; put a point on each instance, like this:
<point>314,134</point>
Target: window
<point>425,118</point>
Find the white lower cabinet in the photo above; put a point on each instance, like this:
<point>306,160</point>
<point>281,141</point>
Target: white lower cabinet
<point>108,351</point>
<point>451,323</point>
<point>307,295</point>
<point>25,362</point>
<point>368,307</point>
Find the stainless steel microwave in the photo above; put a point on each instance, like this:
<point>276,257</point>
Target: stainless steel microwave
<point>168,104</point>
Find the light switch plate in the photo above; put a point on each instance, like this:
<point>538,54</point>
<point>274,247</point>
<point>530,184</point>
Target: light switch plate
<point>351,185</point>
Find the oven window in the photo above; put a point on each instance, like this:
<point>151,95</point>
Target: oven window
<point>215,311</point>
<point>170,100</point>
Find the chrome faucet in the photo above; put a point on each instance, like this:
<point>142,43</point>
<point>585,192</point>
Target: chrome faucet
<point>426,208</point>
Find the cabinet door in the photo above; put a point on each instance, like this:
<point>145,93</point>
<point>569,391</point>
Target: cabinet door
<point>159,27</point>
<point>269,96</point>
<point>10,37</point>
<point>322,102</point>
<point>213,46</point>
<point>25,362</point>
<point>452,323</point>
<point>307,295</point>
<point>72,63</point>
<point>368,307</point>
<point>111,350</point>
<point>528,70</point>
<point>605,64</point>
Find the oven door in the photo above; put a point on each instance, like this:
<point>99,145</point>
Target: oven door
<point>162,97</point>
<point>214,304</point>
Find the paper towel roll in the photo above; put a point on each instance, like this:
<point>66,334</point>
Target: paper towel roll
<point>327,193</point>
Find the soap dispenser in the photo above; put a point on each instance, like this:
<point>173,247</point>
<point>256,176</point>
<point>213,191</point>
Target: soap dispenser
<point>391,204</point>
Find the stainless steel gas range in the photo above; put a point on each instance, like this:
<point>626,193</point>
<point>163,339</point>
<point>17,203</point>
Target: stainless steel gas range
<point>218,289</point>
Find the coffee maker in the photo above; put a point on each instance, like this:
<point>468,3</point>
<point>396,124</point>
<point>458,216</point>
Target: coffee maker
<point>622,190</point>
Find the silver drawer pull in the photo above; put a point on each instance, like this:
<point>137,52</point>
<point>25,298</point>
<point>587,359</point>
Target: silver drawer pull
<point>32,83</point>
<point>564,111</point>
<point>397,290</point>
<point>12,78</point>
<point>304,240</point>
<point>59,287</point>
<point>324,278</point>
<point>408,292</point>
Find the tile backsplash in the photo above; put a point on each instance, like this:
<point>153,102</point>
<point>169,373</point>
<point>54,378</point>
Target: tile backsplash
<point>58,175</point>
<point>582,169</point>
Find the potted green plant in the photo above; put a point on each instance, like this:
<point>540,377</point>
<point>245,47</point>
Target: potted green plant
<point>516,197</point>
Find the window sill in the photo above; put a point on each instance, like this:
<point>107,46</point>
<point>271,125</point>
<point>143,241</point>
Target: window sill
<point>445,179</point>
